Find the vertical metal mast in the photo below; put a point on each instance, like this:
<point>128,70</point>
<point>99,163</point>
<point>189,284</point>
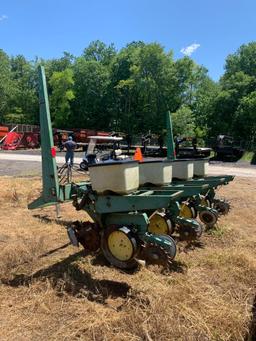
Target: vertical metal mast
<point>49,167</point>
<point>169,139</point>
<point>50,192</point>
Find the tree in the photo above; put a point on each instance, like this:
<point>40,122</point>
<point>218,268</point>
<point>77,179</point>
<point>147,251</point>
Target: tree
<point>57,65</point>
<point>91,91</point>
<point>125,122</point>
<point>131,90</point>
<point>234,99</point>
<point>122,93</point>
<point>147,68</point>
<point>99,52</point>
<point>62,94</point>
<point>203,105</point>
<point>24,99</point>
<point>243,60</point>
<point>6,85</point>
<point>183,122</point>
<point>245,119</point>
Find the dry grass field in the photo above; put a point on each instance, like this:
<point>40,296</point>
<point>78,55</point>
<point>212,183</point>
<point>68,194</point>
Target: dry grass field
<point>53,293</point>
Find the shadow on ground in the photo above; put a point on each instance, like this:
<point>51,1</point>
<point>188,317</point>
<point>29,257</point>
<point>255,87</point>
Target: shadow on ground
<point>67,276</point>
<point>230,159</point>
<point>46,219</point>
<point>253,161</point>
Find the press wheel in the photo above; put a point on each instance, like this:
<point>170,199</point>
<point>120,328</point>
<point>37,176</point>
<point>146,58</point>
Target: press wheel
<point>208,218</point>
<point>222,206</point>
<point>187,211</point>
<point>84,166</point>
<point>154,253</point>
<point>119,246</point>
<point>189,232</point>
<point>159,223</point>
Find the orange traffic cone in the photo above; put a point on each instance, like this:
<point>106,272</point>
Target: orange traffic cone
<point>138,155</point>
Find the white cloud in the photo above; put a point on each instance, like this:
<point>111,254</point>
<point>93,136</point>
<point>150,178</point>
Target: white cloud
<point>3,17</point>
<point>189,49</point>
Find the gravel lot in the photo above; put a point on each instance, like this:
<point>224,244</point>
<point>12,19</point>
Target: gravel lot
<point>28,163</point>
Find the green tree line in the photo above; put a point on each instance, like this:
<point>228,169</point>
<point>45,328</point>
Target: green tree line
<point>130,90</point>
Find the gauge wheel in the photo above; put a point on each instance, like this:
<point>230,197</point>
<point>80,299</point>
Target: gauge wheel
<point>187,211</point>
<point>159,223</point>
<point>83,166</point>
<point>120,247</point>
<point>205,202</point>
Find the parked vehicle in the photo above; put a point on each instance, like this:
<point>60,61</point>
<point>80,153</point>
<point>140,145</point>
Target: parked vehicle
<point>225,147</point>
<point>192,151</point>
<point>94,155</point>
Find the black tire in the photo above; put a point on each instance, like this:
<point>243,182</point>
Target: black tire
<point>208,218</point>
<point>84,166</point>
<point>128,264</point>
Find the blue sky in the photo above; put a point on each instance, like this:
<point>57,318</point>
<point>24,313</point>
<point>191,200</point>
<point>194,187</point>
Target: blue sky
<point>46,29</point>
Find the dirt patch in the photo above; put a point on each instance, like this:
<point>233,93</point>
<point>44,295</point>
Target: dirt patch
<point>20,168</point>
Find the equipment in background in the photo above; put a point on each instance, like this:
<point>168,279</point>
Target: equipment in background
<point>3,133</point>
<point>80,136</point>
<point>192,151</point>
<point>19,136</point>
<point>26,136</point>
<point>152,145</point>
<point>226,148</point>
<point>24,140</point>
<point>94,155</point>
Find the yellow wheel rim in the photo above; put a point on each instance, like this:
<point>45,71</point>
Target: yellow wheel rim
<point>120,246</point>
<point>204,202</point>
<point>186,211</point>
<point>158,225</point>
